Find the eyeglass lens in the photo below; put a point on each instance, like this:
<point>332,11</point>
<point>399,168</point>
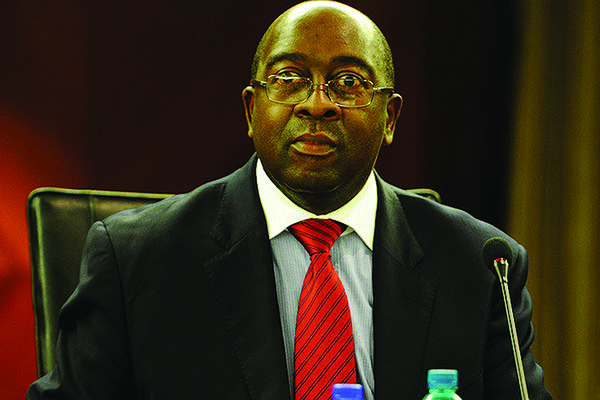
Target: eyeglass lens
<point>347,90</point>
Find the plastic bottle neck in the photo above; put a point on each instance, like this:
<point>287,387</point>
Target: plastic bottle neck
<point>438,390</point>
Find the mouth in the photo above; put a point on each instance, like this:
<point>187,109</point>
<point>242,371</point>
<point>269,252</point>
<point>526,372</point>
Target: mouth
<point>314,144</point>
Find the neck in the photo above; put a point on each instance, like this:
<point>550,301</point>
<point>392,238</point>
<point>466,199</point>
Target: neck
<point>321,200</point>
<point>320,203</point>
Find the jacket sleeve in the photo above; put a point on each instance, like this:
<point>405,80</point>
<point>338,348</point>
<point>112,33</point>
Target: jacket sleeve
<point>93,357</point>
<point>500,372</point>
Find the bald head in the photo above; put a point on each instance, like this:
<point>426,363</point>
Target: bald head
<point>309,14</point>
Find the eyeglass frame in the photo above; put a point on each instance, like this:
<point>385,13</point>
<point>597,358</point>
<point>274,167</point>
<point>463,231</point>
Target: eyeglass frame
<point>325,86</point>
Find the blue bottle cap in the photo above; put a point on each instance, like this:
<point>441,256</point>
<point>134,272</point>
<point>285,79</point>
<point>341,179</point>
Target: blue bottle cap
<point>347,391</point>
<point>442,378</point>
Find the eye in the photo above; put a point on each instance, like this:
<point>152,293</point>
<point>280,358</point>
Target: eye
<point>348,81</point>
<point>287,73</point>
<point>286,78</point>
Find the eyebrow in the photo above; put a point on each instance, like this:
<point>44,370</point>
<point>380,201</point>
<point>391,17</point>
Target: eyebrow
<point>341,60</point>
<point>284,57</point>
<point>338,60</point>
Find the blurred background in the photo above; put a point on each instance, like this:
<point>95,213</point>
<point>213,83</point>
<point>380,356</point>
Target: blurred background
<point>501,116</point>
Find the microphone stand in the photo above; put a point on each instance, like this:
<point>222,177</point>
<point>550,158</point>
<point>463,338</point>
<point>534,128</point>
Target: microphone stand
<point>501,266</point>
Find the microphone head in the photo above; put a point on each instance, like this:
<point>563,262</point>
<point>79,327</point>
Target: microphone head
<point>494,249</point>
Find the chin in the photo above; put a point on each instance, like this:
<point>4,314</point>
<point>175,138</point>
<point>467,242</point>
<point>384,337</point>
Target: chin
<point>309,186</point>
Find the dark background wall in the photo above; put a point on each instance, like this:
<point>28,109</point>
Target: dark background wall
<point>145,96</point>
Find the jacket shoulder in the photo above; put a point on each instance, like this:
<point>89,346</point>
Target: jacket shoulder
<point>438,226</point>
<point>198,207</point>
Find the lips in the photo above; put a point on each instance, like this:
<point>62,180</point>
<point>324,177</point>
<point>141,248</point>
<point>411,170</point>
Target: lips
<point>314,144</point>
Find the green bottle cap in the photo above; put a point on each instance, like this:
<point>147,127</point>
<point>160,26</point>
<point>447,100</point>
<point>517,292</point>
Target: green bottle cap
<point>442,378</point>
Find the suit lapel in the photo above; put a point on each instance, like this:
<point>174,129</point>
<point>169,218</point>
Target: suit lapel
<point>402,302</point>
<point>244,283</point>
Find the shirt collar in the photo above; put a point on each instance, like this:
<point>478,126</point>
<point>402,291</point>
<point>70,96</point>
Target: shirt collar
<point>280,212</point>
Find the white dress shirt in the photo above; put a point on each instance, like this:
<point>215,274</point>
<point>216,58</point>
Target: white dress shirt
<point>351,256</point>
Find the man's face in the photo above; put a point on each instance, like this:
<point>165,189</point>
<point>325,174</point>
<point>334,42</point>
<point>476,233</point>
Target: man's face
<point>316,151</point>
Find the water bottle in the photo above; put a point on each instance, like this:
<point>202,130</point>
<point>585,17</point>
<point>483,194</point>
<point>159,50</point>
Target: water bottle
<point>442,384</point>
<point>347,391</point>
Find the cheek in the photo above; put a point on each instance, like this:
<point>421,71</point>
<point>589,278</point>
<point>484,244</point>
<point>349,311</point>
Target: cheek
<point>269,122</point>
<point>366,133</point>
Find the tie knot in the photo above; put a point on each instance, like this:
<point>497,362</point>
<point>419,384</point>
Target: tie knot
<point>317,235</point>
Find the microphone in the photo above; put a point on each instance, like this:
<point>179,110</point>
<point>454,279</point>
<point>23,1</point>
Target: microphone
<point>496,252</point>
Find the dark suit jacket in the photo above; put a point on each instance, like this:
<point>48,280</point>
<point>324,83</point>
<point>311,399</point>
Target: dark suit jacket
<point>177,301</point>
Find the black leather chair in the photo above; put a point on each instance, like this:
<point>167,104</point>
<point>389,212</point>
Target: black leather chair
<point>58,222</point>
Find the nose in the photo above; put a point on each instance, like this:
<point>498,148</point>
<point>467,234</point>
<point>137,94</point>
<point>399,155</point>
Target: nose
<point>318,105</point>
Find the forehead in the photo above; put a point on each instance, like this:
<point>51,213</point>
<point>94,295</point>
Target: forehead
<point>322,38</point>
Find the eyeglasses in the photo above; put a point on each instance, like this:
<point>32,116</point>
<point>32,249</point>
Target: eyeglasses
<point>347,90</point>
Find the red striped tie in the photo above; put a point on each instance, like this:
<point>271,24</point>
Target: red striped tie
<point>324,350</point>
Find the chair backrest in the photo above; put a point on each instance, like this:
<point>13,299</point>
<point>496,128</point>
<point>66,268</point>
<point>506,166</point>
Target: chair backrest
<point>58,221</point>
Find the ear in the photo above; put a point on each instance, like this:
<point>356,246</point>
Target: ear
<point>394,106</point>
<point>248,100</point>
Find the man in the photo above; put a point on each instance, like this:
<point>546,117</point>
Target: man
<point>198,296</point>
